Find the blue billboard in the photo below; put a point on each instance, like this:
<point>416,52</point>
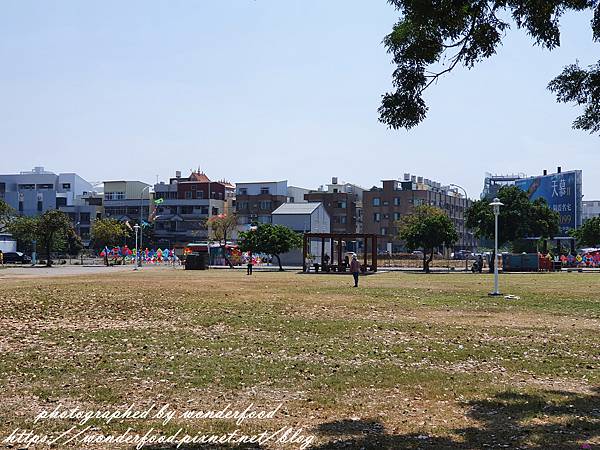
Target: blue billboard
<point>562,191</point>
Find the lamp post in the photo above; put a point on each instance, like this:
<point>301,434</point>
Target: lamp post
<point>142,220</point>
<point>496,204</point>
<point>464,230</point>
<point>137,249</point>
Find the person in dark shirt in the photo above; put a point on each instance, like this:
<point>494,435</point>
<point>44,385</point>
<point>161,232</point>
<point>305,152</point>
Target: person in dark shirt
<point>355,269</point>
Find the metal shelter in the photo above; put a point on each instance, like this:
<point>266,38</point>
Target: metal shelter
<point>340,237</point>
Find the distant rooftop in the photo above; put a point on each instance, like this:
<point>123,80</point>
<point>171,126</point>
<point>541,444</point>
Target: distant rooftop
<point>297,208</point>
<point>260,182</point>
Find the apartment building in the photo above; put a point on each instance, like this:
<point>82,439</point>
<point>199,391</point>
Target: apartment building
<point>34,192</point>
<point>344,204</point>
<point>86,208</point>
<point>256,201</point>
<point>127,200</point>
<point>590,209</point>
<point>385,206</point>
<point>185,204</point>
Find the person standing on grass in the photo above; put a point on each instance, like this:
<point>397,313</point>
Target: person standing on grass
<point>355,269</point>
<point>249,270</point>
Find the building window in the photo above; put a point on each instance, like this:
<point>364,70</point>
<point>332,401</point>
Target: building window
<point>40,206</point>
<point>396,216</point>
<point>20,206</point>
<point>377,217</point>
<point>264,190</point>
<point>343,219</point>
<point>243,191</point>
<point>66,185</point>
<point>199,194</point>
<point>61,201</point>
<point>376,201</point>
<point>266,205</point>
<point>341,205</point>
<point>114,195</point>
<point>188,195</point>
<point>84,217</point>
<point>383,231</point>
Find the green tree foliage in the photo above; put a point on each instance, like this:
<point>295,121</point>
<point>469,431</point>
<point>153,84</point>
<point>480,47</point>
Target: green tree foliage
<point>53,230</point>
<point>24,230</point>
<point>433,37</point>
<point>270,239</point>
<point>247,241</point>
<point>276,240</point>
<point>589,233</point>
<point>6,214</point>
<point>108,233</point>
<point>73,245</point>
<point>519,217</point>
<point>427,228</point>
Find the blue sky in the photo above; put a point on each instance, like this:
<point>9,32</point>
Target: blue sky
<point>268,89</point>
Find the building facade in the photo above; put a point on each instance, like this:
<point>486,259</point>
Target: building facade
<point>590,209</point>
<point>344,204</point>
<point>35,192</point>
<point>256,201</point>
<point>385,206</point>
<point>184,206</point>
<point>85,210</point>
<point>127,200</point>
<point>303,217</point>
<point>493,183</point>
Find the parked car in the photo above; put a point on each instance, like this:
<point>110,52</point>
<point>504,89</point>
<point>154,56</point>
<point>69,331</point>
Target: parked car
<point>16,257</point>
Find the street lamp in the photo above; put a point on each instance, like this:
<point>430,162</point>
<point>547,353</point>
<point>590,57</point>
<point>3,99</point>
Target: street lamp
<point>464,228</point>
<point>137,249</point>
<point>141,217</point>
<point>496,204</point>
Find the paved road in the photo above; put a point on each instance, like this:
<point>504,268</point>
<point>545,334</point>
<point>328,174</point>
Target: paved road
<point>66,270</point>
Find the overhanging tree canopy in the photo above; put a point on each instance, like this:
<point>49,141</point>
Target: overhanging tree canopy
<point>465,32</point>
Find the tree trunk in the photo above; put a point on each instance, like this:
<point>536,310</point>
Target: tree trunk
<point>279,262</point>
<point>427,261</point>
<point>48,249</point>
<point>225,256</point>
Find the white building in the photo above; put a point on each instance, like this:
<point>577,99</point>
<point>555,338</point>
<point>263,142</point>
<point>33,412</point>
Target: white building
<point>34,192</point>
<point>303,218</point>
<point>296,194</point>
<point>591,208</point>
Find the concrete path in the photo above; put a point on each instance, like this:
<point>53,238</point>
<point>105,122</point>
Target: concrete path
<point>65,270</point>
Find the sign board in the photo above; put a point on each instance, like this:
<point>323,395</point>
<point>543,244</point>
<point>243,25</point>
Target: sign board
<point>562,191</point>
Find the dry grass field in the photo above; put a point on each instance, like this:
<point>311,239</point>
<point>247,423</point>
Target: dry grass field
<point>406,361</point>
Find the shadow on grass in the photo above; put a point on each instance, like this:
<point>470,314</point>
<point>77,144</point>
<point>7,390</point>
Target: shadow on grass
<point>549,420</point>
